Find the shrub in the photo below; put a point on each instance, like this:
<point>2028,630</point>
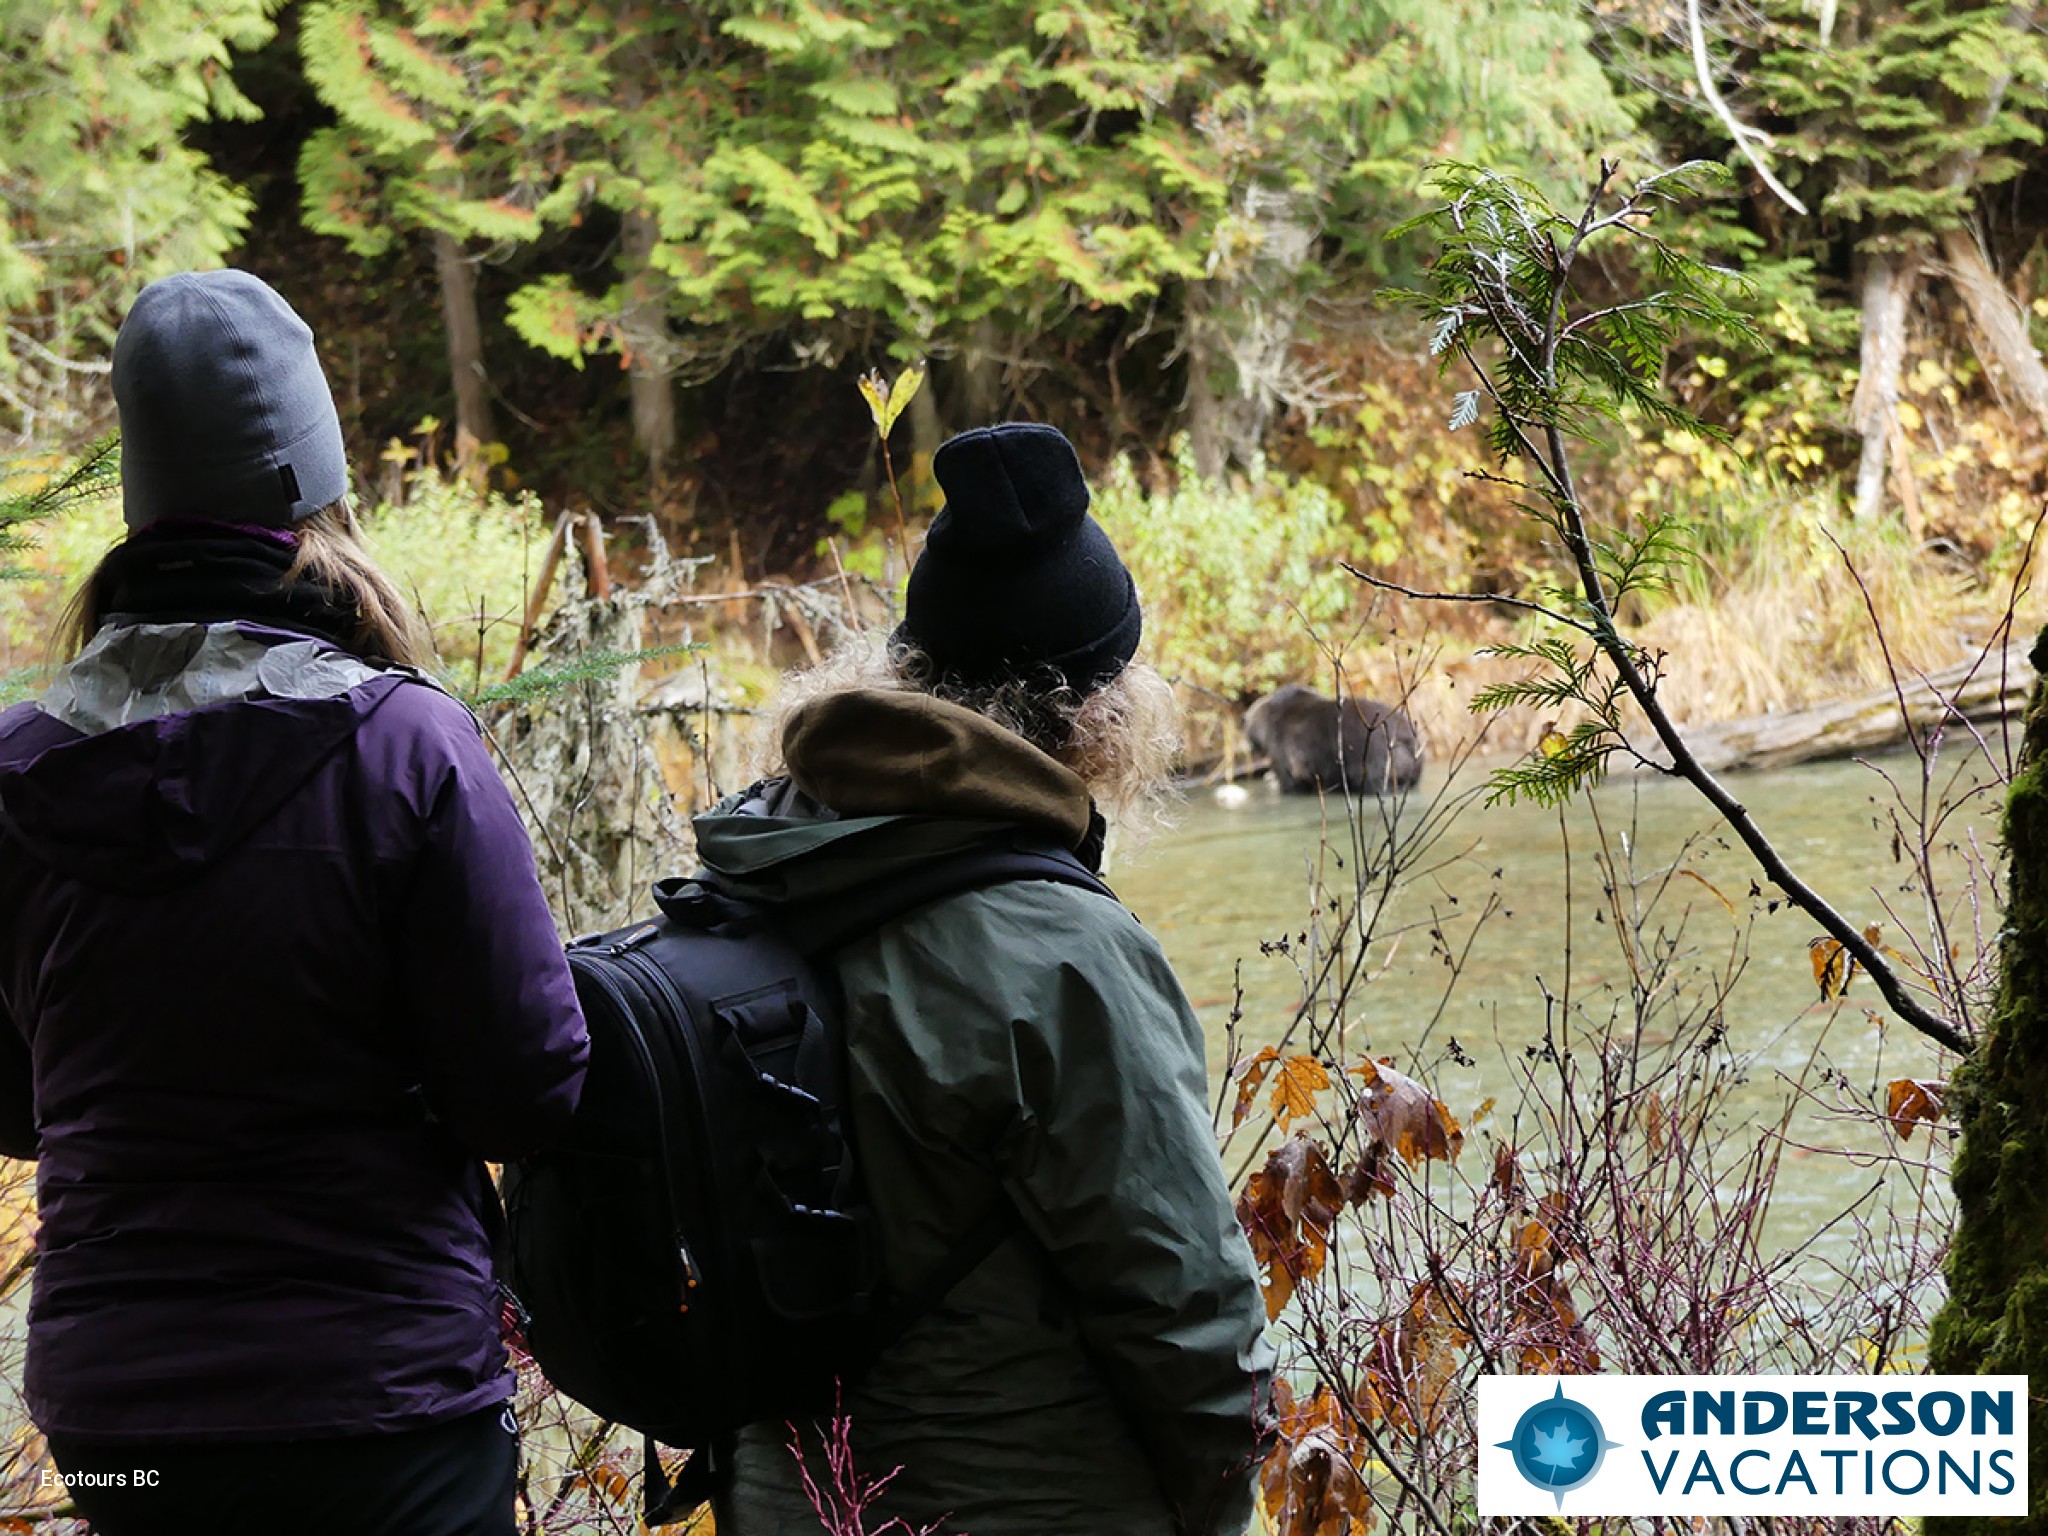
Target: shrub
<point>1209,558</point>
<point>468,558</point>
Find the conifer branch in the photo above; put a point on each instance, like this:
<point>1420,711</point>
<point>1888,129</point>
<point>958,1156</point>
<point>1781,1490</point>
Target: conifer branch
<point>1504,275</point>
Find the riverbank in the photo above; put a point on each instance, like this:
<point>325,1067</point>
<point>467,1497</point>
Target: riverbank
<point>1245,588</point>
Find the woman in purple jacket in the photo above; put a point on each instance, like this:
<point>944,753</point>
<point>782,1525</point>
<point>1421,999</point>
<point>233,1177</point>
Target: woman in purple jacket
<point>276,977</point>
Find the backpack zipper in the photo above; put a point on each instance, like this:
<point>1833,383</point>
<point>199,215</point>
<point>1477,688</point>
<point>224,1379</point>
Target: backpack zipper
<point>622,1008</point>
<point>659,979</point>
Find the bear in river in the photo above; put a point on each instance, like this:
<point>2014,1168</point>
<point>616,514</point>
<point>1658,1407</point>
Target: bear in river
<point>1317,743</point>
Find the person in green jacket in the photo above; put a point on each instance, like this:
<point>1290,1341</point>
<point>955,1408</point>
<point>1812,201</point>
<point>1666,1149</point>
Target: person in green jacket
<point>1023,1048</point>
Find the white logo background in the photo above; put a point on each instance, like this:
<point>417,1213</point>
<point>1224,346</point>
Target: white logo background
<point>1844,1473</point>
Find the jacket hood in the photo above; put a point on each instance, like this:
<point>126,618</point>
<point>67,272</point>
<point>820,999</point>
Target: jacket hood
<point>164,745</point>
<point>880,782</point>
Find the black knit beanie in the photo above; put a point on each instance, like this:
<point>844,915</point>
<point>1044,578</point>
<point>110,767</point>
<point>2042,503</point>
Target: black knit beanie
<point>1016,578</point>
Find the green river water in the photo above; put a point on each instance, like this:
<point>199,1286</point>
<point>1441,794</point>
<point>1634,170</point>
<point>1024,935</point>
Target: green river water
<point>1227,878</point>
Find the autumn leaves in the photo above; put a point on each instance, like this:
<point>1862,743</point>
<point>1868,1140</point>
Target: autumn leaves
<point>1289,1206</point>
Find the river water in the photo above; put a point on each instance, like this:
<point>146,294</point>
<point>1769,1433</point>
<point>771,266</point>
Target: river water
<point>1477,931</point>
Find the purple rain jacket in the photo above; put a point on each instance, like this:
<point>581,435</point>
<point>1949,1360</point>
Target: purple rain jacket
<point>276,976</point>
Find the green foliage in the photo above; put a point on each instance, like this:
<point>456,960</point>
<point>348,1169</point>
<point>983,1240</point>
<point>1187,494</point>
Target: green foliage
<point>450,118</point>
<point>1506,300</point>
<point>1504,279</point>
<point>865,169</point>
<point>1905,117</point>
<point>538,683</point>
<point>1209,560</point>
<point>59,512</point>
<point>848,514</point>
<point>1887,116</point>
<point>103,194</point>
<point>34,493</point>
<point>1563,762</point>
<point>468,559</point>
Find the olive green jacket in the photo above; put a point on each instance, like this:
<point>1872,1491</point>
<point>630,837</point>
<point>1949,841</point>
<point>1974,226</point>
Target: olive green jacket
<point>1104,1369</point>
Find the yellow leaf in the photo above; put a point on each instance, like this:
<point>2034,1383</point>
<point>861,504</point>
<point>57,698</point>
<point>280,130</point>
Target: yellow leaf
<point>1832,967</point>
<point>905,390</point>
<point>871,390</point>
<point>1552,743</point>
<point>1295,1087</point>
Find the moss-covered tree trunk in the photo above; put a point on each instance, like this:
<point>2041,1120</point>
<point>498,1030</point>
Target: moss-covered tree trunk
<point>1996,1316</point>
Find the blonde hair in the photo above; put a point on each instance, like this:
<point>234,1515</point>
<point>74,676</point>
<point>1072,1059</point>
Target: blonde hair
<point>332,556</point>
<point>1123,739</point>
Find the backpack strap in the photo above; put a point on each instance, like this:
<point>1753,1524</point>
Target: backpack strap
<point>821,927</point>
<point>817,928</point>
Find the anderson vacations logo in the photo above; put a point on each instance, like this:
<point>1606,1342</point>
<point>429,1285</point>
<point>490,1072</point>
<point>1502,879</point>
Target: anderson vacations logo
<point>1752,1445</point>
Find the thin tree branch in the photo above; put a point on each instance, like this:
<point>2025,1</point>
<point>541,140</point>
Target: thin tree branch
<point>1688,767</point>
<point>1502,308</point>
<point>1467,597</point>
<point>1745,137</point>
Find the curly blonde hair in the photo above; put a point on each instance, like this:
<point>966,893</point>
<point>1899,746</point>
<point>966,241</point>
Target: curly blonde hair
<point>1123,739</point>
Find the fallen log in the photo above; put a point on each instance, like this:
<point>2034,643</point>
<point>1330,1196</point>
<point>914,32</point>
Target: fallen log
<point>1989,687</point>
<point>1215,772</point>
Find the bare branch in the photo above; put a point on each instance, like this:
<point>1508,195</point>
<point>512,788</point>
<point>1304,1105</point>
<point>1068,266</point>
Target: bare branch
<point>1467,597</point>
<point>1746,138</point>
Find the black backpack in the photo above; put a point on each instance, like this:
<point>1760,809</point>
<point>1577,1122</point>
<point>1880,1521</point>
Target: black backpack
<point>697,1254</point>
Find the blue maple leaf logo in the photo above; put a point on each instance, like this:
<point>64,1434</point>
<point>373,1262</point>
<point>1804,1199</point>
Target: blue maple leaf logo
<point>1558,1444</point>
<point>1559,1448</point>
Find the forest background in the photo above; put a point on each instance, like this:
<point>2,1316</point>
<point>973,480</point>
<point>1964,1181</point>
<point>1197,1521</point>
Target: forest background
<point>634,257</point>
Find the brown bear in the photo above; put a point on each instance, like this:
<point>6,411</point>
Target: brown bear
<point>1316,743</point>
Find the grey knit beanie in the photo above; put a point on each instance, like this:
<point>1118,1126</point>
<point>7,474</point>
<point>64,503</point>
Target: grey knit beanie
<point>225,413</point>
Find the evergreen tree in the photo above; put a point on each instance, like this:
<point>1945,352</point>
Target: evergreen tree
<point>1888,119</point>
<point>925,179</point>
<point>454,122</point>
<point>102,194</point>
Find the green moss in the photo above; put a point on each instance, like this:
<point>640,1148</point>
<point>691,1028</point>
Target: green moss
<point>1996,1316</point>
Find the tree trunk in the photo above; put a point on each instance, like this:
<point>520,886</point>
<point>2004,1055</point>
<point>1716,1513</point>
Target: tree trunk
<point>644,325</point>
<point>1999,320</point>
<point>1995,1320</point>
<point>1887,285</point>
<point>473,425</point>
<point>1978,689</point>
<point>981,375</point>
<point>1208,433</point>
